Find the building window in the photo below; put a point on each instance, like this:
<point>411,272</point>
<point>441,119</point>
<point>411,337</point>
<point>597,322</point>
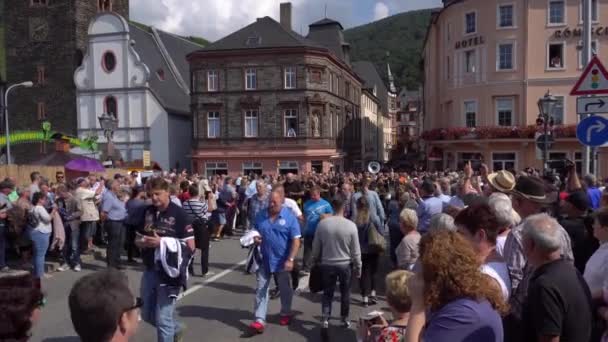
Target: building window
<point>40,71</point>
<point>214,169</point>
<point>469,61</point>
<point>108,61</point>
<point>505,56</point>
<point>110,106</point>
<point>213,125</point>
<point>594,50</point>
<point>504,110</point>
<point>503,161</point>
<point>316,166</point>
<point>558,111</point>
<point>447,67</point>
<point>557,10</point>
<point>290,123</point>
<point>251,124</point>
<point>212,80</point>
<point>505,16</point>
<point>39,3</point>
<point>470,22</point>
<point>290,78</point>
<point>556,55</point>
<point>288,167</point>
<point>594,12</point>
<point>160,73</point>
<point>250,168</point>
<point>104,5</point>
<point>41,110</point>
<point>250,79</point>
<point>331,82</point>
<point>470,113</point>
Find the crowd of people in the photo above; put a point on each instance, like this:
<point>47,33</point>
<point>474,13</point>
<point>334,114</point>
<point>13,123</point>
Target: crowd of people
<point>475,255</point>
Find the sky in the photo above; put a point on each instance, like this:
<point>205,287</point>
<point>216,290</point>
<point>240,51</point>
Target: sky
<point>214,19</point>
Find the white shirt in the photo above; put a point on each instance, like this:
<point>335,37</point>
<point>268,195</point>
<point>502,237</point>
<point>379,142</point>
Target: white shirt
<point>44,219</point>
<point>596,269</point>
<point>500,244</point>
<point>293,206</point>
<point>500,273</point>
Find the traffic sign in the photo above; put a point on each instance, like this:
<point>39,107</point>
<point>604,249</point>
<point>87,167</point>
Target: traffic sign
<point>592,105</point>
<point>593,80</point>
<point>593,131</point>
<point>540,142</point>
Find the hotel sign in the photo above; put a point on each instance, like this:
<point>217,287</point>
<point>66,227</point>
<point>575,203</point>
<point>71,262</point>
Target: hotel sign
<point>470,42</point>
<point>578,32</point>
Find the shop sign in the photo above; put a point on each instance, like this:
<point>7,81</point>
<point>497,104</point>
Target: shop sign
<point>578,32</point>
<point>473,41</point>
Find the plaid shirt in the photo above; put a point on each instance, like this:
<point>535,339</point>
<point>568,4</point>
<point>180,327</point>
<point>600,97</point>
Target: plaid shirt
<point>520,271</point>
<point>256,205</point>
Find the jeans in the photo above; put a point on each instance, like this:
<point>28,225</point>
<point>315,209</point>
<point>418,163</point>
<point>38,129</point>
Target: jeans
<point>261,293</point>
<point>77,232</point>
<point>307,257</point>
<point>130,241</point>
<point>66,252</point>
<point>329,275</point>
<point>3,228</point>
<point>116,238</point>
<point>158,309</point>
<point>40,244</point>
<point>202,235</point>
<point>367,283</point>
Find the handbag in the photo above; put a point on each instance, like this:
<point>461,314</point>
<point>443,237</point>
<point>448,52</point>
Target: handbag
<point>315,282</point>
<point>376,241</point>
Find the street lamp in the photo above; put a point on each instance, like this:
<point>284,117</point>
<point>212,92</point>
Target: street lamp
<point>108,123</point>
<point>27,84</point>
<point>545,107</point>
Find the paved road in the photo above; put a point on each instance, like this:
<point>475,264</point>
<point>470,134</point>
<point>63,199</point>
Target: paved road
<point>218,307</point>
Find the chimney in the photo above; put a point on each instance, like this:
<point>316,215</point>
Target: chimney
<point>286,15</point>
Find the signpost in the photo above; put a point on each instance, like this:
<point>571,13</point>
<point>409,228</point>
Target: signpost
<point>592,130</point>
<point>540,142</point>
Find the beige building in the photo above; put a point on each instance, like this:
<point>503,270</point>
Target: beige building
<point>486,64</point>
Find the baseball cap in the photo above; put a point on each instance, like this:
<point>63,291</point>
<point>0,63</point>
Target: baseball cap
<point>579,200</point>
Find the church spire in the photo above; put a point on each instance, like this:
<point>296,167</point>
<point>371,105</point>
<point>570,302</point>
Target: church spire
<point>391,79</point>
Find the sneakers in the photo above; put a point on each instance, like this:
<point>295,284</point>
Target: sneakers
<point>257,328</point>
<point>285,320</point>
<point>77,268</point>
<point>345,323</point>
<point>325,324</point>
<point>62,267</point>
<point>274,293</point>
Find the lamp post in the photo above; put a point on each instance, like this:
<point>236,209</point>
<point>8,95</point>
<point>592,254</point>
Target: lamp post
<point>545,107</point>
<point>26,84</point>
<point>108,123</point>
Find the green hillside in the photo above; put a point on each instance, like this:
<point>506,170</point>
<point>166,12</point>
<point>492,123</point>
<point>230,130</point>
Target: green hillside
<point>402,36</point>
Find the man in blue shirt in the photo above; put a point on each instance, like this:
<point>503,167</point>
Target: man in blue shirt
<point>279,242</point>
<point>428,205</point>
<point>315,209</point>
<point>594,193</point>
<point>114,213</point>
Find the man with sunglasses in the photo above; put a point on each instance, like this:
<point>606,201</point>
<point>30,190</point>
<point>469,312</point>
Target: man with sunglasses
<point>102,307</point>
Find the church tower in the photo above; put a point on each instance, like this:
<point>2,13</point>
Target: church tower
<point>44,42</point>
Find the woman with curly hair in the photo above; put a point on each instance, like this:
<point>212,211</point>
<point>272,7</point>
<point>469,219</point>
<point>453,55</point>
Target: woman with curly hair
<point>20,303</point>
<point>462,303</point>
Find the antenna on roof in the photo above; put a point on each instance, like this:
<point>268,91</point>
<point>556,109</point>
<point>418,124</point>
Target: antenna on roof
<point>325,10</point>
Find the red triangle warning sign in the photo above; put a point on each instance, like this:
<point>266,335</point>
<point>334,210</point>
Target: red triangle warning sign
<point>593,80</point>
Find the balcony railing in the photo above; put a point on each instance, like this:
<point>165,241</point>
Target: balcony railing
<point>495,132</point>
<point>262,142</point>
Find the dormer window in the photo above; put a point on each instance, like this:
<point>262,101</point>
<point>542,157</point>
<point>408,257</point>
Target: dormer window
<point>160,73</point>
<point>254,40</point>
<point>104,5</point>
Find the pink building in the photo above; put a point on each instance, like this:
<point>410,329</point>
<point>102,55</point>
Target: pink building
<point>487,62</point>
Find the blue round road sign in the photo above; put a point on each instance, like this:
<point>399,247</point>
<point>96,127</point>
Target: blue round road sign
<point>593,131</point>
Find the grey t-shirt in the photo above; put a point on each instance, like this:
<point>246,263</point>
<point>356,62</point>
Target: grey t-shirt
<point>336,242</point>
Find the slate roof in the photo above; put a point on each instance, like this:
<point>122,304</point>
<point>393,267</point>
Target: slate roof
<point>326,21</point>
<point>269,34</point>
<point>164,51</point>
<point>368,72</point>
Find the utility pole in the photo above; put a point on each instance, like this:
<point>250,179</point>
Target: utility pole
<point>586,54</point>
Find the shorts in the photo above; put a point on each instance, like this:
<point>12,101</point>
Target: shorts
<point>218,218</point>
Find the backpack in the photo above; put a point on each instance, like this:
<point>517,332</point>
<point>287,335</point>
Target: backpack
<point>32,219</point>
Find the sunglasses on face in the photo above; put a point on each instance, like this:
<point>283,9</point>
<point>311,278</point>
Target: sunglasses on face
<point>138,304</point>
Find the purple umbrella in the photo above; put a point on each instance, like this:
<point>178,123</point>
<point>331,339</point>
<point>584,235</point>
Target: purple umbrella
<point>85,165</point>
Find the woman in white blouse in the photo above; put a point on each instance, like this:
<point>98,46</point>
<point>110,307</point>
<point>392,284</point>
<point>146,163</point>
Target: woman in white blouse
<point>596,269</point>
<point>40,229</point>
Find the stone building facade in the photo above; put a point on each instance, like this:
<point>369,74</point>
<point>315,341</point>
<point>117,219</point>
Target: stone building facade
<point>44,43</point>
<point>268,100</point>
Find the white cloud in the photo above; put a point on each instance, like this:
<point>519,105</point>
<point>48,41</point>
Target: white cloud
<point>380,11</point>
